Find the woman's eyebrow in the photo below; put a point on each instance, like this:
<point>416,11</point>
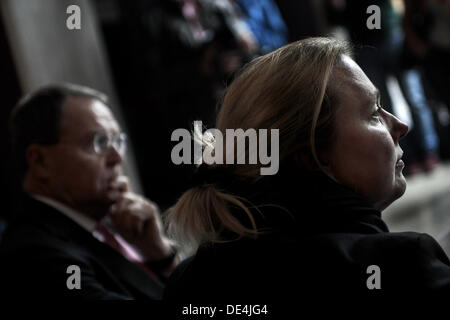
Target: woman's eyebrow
<point>374,95</point>
<point>371,96</point>
<point>377,94</point>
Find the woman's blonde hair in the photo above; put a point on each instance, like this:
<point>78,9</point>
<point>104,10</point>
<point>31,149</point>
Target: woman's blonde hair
<point>286,89</point>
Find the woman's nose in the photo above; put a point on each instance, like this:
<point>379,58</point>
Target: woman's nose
<point>398,128</point>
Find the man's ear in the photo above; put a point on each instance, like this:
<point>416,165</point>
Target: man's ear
<point>38,160</point>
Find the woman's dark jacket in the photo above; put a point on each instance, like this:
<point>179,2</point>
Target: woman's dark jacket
<point>322,247</point>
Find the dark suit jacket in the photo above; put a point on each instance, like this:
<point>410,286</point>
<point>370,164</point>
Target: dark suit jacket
<point>322,249</point>
<point>41,243</point>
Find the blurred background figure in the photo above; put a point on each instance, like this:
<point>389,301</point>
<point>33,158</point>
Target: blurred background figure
<point>426,25</point>
<point>304,19</point>
<point>165,63</point>
<point>266,23</point>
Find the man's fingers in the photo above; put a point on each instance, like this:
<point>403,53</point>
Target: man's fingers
<point>126,223</point>
<point>128,215</point>
<point>135,216</point>
<point>123,203</point>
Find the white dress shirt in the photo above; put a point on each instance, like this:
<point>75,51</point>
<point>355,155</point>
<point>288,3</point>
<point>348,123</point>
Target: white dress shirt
<point>84,221</point>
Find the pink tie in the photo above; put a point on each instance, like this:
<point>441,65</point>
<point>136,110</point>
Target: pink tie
<point>119,244</point>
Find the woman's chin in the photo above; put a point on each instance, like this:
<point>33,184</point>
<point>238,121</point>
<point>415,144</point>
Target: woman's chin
<point>398,190</point>
<point>400,185</point>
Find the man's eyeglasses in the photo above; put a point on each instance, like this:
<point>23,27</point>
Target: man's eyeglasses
<point>103,142</point>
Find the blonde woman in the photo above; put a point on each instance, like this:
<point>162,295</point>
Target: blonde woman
<point>316,225</point>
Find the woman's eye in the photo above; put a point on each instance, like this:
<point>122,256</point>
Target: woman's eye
<point>377,113</point>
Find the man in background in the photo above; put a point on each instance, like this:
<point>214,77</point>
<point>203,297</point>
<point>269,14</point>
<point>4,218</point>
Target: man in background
<point>80,232</point>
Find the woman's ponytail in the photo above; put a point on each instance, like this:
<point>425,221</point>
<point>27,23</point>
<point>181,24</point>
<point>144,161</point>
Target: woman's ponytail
<point>203,213</point>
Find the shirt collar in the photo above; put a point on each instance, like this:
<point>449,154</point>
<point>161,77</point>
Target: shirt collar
<point>83,220</point>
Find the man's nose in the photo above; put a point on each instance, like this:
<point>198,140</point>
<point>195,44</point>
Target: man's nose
<point>113,156</point>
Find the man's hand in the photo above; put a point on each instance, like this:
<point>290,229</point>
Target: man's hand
<point>138,221</point>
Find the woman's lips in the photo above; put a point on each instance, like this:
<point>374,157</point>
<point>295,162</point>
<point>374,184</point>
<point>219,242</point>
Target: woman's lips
<point>400,164</point>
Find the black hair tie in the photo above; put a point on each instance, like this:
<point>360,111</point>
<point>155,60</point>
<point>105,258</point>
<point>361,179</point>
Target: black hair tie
<point>206,174</point>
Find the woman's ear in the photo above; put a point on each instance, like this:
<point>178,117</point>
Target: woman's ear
<point>305,160</point>
<point>325,161</point>
<point>38,161</point>
<point>327,164</point>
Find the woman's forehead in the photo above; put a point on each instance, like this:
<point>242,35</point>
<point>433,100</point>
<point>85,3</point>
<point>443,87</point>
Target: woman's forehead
<point>350,81</point>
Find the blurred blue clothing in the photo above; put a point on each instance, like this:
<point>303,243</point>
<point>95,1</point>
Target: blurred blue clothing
<point>421,110</point>
<point>265,21</point>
